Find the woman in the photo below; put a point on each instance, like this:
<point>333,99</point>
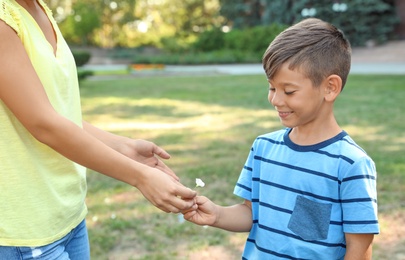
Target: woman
<point>45,146</point>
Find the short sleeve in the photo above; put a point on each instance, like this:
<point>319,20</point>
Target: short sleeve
<point>10,15</point>
<point>244,184</point>
<point>359,198</point>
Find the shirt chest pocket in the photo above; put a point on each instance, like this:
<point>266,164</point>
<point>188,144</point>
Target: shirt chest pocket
<point>310,219</point>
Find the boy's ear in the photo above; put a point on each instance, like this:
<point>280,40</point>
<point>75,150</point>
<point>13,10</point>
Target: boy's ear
<point>333,87</point>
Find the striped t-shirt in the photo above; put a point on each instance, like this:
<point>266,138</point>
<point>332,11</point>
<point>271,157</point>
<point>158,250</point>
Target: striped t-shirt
<point>304,198</point>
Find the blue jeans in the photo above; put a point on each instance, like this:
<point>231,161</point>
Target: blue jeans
<point>74,246</point>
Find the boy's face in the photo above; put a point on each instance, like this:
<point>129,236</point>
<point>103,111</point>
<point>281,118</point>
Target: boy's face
<point>297,102</point>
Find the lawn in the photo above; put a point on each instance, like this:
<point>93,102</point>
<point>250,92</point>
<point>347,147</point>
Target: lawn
<point>207,124</point>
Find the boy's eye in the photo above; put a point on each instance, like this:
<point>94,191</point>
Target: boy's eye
<point>289,92</point>
<point>272,89</point>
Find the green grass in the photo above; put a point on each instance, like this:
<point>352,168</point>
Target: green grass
<point>208,124</point>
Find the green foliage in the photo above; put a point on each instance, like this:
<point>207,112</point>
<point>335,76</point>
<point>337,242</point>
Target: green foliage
<point>174,44</point>
<point>241,13</point>
<point>173,24</point>
<point>83,74</point>
<point>210,40</point>
<point>360,20</point>
<point>81,57</point>
<point>238,43</point>
<point>255,39</point>
<point>278,12</point>
<point>216,47</point>
<point>78,27</point>
<point>194,58</point>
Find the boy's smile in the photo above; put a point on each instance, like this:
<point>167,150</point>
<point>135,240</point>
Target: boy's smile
<point>283,115</point>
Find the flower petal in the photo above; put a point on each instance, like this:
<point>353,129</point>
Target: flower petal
<point>199,183</point>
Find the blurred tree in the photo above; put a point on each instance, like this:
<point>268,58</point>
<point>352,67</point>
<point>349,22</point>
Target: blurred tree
<point>363,21</point>
<point>174,22</point>
<point>278,12</point>
<point>114,15</point>
<point>242,13</point>
<point>95,22</point>
<point>132,23</point>
<point>78,27</point>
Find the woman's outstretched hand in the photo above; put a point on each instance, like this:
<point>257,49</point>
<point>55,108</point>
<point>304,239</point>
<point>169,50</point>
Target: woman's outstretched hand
<point>165,192</point>
<point>146,152</point>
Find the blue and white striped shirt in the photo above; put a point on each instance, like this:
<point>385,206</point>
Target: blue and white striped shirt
<point>304,198</point>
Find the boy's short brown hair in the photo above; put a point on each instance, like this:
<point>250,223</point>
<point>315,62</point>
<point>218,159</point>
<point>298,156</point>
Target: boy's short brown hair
<point>315,47</point>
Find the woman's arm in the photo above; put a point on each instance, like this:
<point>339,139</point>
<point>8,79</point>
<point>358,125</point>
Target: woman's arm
<point>22,92</point>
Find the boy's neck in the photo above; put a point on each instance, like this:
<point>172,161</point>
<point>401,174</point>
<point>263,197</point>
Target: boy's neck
<point>310,136</point>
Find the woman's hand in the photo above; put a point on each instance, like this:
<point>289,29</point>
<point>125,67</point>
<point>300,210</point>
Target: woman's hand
<point>164,192</point>
<point>142,151</point>
<point>145,152</point>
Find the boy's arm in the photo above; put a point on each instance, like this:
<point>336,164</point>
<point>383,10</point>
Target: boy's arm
<point>358,246</point>
<point>236,218</point>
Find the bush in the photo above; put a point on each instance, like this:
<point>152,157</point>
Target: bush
<point>254,40</point>
<point>210,40</point>
<point>194,58</point>
<point>174,44</point>
<point>82,74</point>
<point>250,40</point>
<point>81,57</point>
<point>217,47</point>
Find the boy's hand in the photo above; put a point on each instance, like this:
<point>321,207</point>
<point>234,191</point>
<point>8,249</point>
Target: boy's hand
<point>206,212</point>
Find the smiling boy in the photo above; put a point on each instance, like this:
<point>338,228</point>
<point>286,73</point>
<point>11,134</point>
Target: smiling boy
<point>309,189</point>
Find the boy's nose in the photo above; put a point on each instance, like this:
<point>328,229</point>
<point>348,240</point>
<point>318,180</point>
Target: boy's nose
<point>275,99</point>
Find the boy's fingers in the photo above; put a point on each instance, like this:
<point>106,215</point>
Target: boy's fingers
<point>189,215</point>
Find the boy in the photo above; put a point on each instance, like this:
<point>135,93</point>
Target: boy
<point>309,190</point>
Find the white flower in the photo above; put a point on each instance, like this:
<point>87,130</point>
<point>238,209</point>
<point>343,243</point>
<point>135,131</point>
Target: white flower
<point>199,183</point>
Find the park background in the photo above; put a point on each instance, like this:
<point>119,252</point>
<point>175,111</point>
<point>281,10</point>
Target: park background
<point>128,52</point>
